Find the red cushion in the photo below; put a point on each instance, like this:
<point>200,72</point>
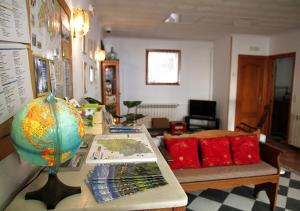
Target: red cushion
<point>215,152</point>
<point>184,152</point>
<point>245,149</point>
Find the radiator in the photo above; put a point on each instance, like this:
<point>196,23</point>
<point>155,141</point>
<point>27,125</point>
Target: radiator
<point>294,137</point>
<point>152,110</point>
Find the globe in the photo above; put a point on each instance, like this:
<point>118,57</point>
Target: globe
<point>47,132</point>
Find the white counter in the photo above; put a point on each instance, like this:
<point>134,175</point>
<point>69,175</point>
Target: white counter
<point>168,196</point>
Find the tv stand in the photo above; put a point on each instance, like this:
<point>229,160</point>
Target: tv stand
<point>195,123</point>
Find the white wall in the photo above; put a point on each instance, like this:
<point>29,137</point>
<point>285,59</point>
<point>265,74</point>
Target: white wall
<point>221,74</point>
<point>246,45</point>
<point>287,43</point>
<point>95,33</point>
<point>195,72</point>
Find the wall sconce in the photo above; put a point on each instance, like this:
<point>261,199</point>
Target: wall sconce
<point>80,23</point>
<point>100,54</point>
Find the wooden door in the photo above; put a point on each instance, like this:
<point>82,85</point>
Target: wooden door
<point>252,89</point>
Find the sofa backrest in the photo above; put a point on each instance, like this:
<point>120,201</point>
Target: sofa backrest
<point>213,134</point>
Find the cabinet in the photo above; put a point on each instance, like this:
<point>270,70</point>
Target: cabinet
<point>111,86</point>
<point>201,123</point>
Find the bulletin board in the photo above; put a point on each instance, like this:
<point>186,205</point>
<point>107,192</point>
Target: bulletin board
<point>23,38</point>
<point>51,44</point>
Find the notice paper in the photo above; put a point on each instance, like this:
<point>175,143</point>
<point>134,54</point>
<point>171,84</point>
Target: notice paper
<point>15,81</point>
<point>14,21</point>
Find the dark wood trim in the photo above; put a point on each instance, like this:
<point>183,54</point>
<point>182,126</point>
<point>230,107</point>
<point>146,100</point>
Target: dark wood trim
<point>65,7</point>
<point>166,51</point>
<point>229,183</point>
<point>6,146</point>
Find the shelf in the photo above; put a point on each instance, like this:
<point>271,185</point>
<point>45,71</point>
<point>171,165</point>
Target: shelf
<point>201,123</point>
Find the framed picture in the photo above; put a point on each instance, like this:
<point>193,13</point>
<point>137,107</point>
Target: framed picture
<point>162,67</point>
<point>52,77</point>
<point>68,85</point>
<point>83,44</point>
<point>95,74</point>
<point>95,48</point>
<point>42,75</point>
<point>90,48</point>
<point>84,72</point>
<point>92,74</point>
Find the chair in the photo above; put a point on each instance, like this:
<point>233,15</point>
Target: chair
<point>249,128</point>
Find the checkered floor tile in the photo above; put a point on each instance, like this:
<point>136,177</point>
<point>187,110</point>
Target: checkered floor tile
<point>241,198</point>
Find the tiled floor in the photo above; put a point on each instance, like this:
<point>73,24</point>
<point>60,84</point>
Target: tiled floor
<point>241,198</point>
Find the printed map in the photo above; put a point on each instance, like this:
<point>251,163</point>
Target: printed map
<point>125,147</point>
<point>121,148</point>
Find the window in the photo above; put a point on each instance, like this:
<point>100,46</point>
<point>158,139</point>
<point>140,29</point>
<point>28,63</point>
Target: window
<point>162,67</point>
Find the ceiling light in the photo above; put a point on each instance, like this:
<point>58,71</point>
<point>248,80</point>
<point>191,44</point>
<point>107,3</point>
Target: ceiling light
<point>100,55</point>
<point>173,18</point>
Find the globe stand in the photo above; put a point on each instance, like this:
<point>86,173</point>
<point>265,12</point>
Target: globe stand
<point>52,192</point>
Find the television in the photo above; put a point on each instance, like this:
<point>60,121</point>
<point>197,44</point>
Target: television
<point>202,108</point>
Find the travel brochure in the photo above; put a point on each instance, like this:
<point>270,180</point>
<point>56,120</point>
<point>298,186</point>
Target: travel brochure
<point>121,148</point>
<point>112,181</point>
<point>124,129</point>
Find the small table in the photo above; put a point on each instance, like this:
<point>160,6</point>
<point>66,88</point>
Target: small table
<point>167,198</point>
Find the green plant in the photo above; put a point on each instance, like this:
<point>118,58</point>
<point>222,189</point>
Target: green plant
<point>132,117</point>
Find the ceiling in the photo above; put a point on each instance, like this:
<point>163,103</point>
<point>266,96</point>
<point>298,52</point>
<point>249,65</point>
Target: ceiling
<point>200,19</point>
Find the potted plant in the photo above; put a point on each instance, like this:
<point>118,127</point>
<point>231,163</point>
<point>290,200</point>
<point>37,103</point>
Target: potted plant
<point>131,117</point>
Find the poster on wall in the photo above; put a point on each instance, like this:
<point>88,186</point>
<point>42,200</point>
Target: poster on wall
<point>52,77</point>
<point>15,81</point>
<point>41,75</point>
<point>45,25</point>
<point>68,79</point>
<point>13,21</point>
<point>59,76</point>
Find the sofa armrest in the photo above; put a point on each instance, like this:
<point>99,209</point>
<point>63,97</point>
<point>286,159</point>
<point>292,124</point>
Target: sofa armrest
<point>168,157</point>
<point>270,155</point>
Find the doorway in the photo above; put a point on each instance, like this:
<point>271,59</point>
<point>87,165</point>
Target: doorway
<point>283,73</point>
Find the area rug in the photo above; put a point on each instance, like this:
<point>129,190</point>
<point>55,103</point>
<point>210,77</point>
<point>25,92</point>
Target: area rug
<point>241,198</point>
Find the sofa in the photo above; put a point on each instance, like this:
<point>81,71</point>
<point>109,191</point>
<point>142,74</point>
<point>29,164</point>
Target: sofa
<point>263,174</point>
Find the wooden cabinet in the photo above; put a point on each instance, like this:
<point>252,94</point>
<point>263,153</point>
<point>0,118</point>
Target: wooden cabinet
<point>111,86</point>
